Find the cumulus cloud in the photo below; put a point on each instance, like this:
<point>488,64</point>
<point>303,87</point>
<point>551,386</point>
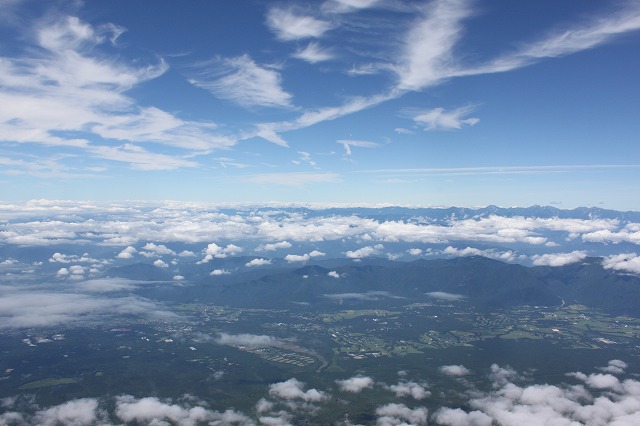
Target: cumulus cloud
<point>333,274</point>
<point>604,400</point>
<point>454,370</point>
<point>410,389</point>
<point>127,253</point>
<point>160,263</point>
<point>153,411</point>
<point>258,262</point>
<point>355,384</point>
<point>214,250</point>
<point>294,389</point>
<point>400,414</point>
<point>414,252</point>
<point>291,258</point>
<point>559,259</point>
<point>218,272</point>
<point>505,256</point>
<point>77,412</point>
<point>253,340</point>
<point>625,262</point>
<point>365,252</point>
<point>274,246</point>
<point>158,249</point>
<point>443,295</point>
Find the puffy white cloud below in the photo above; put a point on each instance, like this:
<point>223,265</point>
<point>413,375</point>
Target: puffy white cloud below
<point>49,309</point>
<point>454,370</point>
<point>257,262</point>
<point>294,389</point>
<point>253,340</point>
<point>443,295</point>
<point>410,389</point>
<point>505,256</point>
<point>355,384</point>
<point>559,259</point>
<point>625,262</point>
<point>366,251</point>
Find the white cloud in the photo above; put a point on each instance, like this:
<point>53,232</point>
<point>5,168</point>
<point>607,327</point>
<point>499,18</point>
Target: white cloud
<point>77,412</point>
<point>127,253</point>
<point>345,6</point>
<point>369,295</point>
<point>559,259</point>
<point>511,404</point>
<point>333,274</point>
<point>412,389</point>
<point>160,264</point>
<point>244,82</point>
<point>258,262</point>
<point>365,252</point>
<point>458,417</point>
<point>454,370</point>
<point>348,143</point>
<point>49,309</point>
<point>274,246</point>
<point>440,119</point>
<point>355,384</point>
<point>294,389</point>
<point>624,262</point>
<point>427,56</point>
<point>62,272</point>
<point>414,252</point>
<point>289,25</point>
<point>105,285</point>
<point>442,295</point>
<point>70,85</point>
<point>313,53</point>
<point>152,411</point>
<point>567,40</point>
<point>160,249</point>
<point>214,250</point>
<point>615,366</point>
<point>291,258</point>
<point>400,414</point>
<point>253,340</point>
<point>505,256</point>
<point>218,272</point>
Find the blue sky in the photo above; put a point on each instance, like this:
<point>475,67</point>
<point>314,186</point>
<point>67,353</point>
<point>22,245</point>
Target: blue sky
<point>403,102</point>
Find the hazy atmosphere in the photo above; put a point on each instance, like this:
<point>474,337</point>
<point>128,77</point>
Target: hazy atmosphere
<point>332,212</point>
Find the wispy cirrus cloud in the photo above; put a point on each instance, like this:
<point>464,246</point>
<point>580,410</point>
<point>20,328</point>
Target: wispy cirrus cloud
<point>348,143</point>
<point>441,119</point>
<point>65,90</point>
<point>242,81</point>
<point>287,24</point>
<point>313,53</point>
<point>566,40</point>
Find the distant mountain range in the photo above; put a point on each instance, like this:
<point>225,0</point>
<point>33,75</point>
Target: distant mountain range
<point>487,283</point>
